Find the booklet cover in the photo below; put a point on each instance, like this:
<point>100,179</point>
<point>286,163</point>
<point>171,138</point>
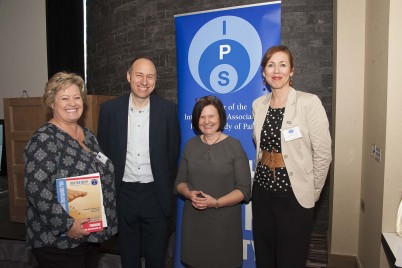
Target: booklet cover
<point>82,198</point>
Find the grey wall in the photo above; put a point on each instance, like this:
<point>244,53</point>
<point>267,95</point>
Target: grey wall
<point>22,49</point>
<point>119,30</point>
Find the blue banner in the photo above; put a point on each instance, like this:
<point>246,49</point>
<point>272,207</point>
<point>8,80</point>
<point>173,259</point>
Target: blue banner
<point>219,53</point>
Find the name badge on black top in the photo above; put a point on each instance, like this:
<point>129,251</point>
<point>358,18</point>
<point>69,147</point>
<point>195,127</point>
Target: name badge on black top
<point>102,158</point>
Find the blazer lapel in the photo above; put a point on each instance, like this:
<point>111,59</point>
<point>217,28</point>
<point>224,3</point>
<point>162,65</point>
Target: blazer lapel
<point>262,110</point>
<point>290,109</point>
<point>122,117</point>
<point>261,113</point>
<point>154,117</point>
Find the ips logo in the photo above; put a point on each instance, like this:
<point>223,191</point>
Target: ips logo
<point>225,54</point>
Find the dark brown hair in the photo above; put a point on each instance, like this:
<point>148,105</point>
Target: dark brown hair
<point>201,104</point>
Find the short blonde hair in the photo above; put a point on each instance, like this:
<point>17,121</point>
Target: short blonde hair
<point>62,80</point>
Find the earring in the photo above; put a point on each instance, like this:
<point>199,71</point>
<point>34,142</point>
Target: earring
<point>290,80</point>
<point>264,82</point>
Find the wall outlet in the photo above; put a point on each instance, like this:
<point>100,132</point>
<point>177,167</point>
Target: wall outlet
<point>377,154</point>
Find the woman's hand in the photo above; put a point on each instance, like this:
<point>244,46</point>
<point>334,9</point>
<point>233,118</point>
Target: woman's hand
<point>76,231</point>
<point>201,200</point>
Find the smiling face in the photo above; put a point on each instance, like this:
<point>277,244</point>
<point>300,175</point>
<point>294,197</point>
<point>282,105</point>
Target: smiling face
<point>142,78</point>
<point>278,71</point>
<point>209,120</point>
<point>68,105</point>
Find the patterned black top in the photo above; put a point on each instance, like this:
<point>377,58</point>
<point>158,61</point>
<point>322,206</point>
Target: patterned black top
<point>271,138</point>
<point>51,154</point>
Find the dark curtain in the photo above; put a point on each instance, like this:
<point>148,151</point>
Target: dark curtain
<point>65,36</point>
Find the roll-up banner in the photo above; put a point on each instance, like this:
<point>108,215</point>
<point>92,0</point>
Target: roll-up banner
<point>219,53</point>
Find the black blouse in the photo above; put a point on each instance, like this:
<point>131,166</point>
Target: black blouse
<point>51,154</point>
<point>271,138</point>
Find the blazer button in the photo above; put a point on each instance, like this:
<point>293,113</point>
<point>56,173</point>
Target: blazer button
<point>285,156</point>
<point>291,173</point>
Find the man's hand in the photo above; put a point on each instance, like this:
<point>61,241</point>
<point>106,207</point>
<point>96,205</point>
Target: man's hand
<point>73,194</point>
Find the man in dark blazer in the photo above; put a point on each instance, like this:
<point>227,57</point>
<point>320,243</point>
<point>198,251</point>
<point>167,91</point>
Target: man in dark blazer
<point>140,133</point>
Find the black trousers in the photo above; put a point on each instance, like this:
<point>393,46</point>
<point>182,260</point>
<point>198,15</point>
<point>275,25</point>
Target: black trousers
<point>281,229</point>
<point>85,255</point>
<point>142,224</point>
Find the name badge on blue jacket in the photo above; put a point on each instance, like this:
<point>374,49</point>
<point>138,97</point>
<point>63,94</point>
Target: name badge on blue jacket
<point>292,133</point>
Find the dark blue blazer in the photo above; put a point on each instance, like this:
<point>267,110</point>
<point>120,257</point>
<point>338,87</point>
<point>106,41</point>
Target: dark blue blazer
<point>164,142</point>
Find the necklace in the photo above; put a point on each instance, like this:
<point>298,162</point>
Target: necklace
<point>205,139</point>
<point>210,144</point>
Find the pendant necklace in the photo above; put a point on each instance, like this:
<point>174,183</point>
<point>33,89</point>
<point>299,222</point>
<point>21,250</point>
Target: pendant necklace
<point>209,145</point>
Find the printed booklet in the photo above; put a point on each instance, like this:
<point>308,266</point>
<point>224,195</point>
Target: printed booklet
<point>82,198</point>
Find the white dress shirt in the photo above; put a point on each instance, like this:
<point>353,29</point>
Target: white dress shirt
<point>138,163</point>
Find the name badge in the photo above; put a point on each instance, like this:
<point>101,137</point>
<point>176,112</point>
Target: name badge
<point>101,157</point>
<point>292,133</point>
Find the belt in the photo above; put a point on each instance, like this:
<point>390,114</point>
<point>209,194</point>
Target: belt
<point>272,160</point>
<point>136,182</point>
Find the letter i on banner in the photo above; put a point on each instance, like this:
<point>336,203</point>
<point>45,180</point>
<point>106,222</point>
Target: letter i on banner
<point>219,53</point>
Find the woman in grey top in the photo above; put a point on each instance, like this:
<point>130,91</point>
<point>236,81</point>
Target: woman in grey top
<point>214,178</point>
